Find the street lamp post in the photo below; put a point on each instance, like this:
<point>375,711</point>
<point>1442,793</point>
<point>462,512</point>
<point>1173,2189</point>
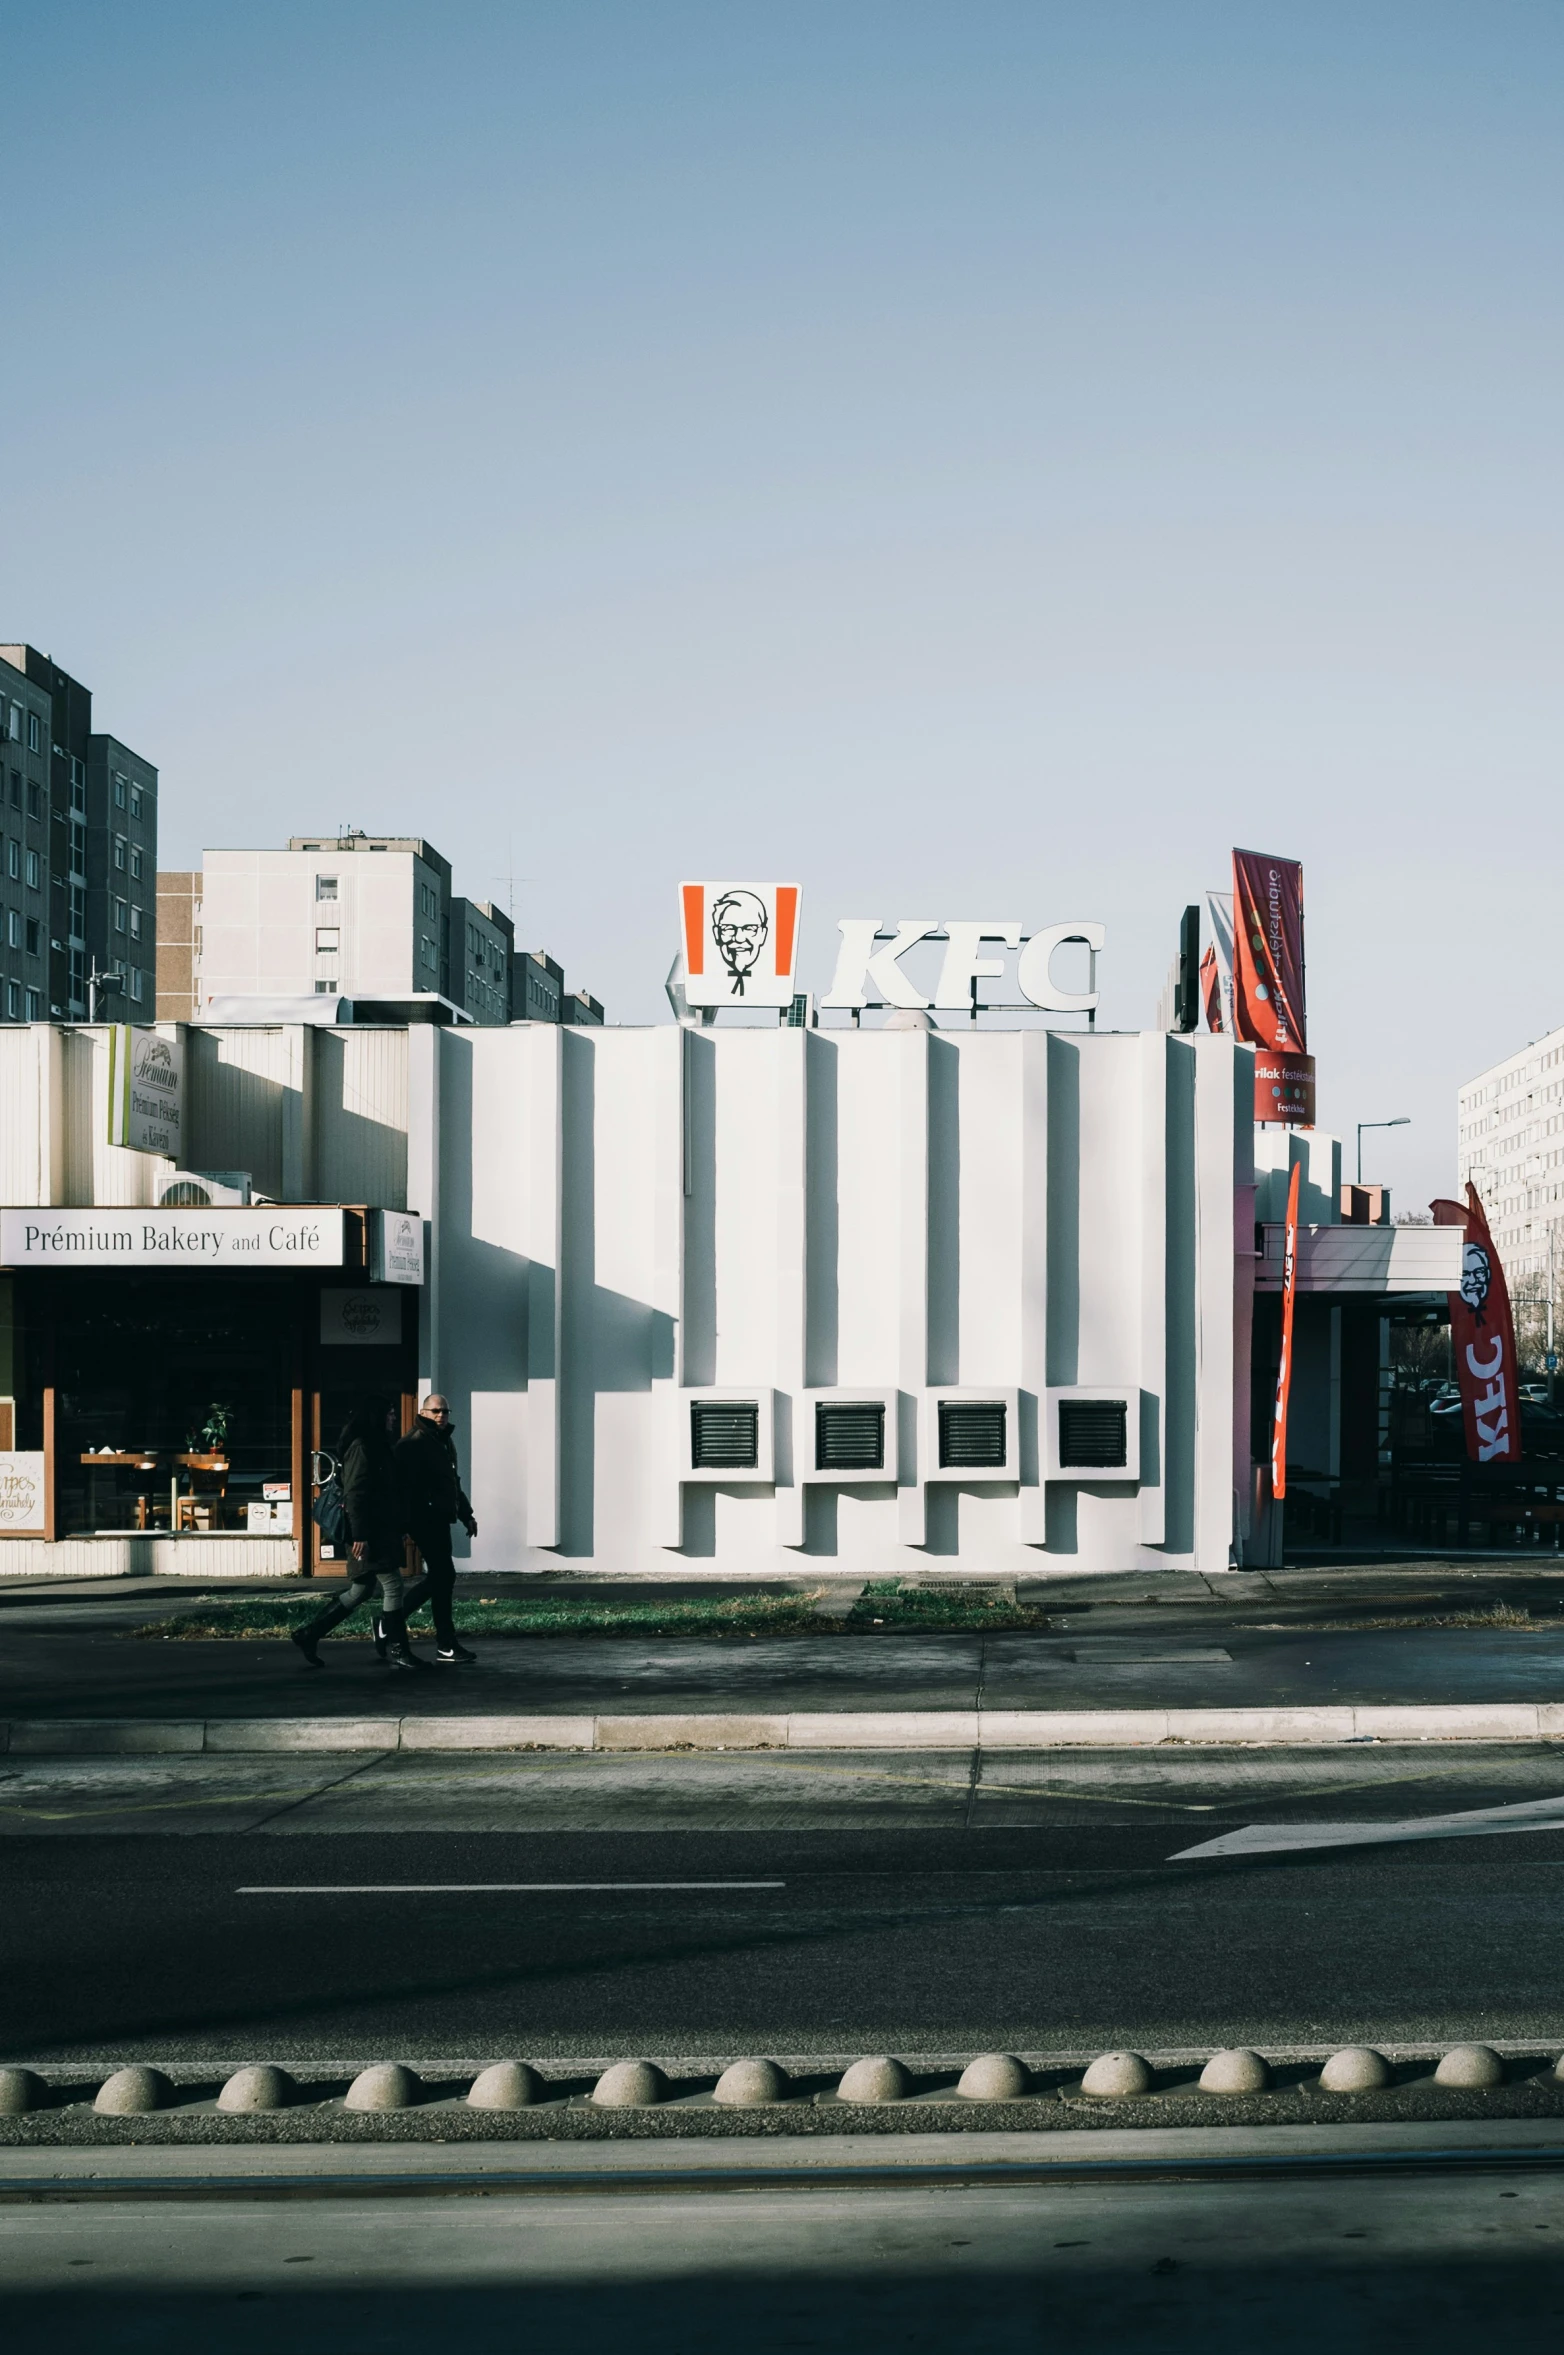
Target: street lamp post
<point>1404,1120</point>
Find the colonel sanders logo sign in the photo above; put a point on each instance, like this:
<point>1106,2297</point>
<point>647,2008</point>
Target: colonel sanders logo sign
<point>1476,1277</point>
<point>740,943</point>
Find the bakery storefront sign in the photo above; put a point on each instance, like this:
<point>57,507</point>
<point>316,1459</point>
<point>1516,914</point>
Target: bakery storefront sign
<point>22,1493</point>
<point>146,1090</point>
<point>266,1236</point>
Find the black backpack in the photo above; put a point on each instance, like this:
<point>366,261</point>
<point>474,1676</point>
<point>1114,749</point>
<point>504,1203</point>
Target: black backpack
<point>329,1511</point>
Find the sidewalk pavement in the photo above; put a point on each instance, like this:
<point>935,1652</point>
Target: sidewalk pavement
<point>1126,1661</point>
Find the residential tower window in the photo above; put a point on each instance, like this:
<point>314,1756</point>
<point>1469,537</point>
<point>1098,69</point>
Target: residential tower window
<point>328,939</point>
<point>32,870</point>
<point>119,791</point>
<point>34,736</point>
<point>135,801</point>
<point>119,852</point>
<point>34,1006</point>
<point>31,929</point>
<point>135,861</point>
<point>135,923</point>
<point>119,915</point>
<point>325,887</point>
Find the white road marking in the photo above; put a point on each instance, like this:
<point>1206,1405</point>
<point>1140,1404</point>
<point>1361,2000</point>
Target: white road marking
<point>1260,1839</point>
<point>476,1888</point>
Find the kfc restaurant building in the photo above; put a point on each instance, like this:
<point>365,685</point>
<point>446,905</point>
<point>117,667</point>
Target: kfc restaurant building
<point>906,1282</point>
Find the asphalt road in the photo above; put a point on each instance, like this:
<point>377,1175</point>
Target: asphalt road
<point>304,1909</point>
<point>1427,2262</point>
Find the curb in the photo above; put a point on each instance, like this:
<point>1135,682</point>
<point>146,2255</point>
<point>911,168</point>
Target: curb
<point>878,1729</point>
<point>878,2094</point>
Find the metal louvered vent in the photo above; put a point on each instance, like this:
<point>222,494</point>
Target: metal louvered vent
<point>972,1434</point>
<point>724,1434</point>
<point>1093,1433</point>
<point>849,1435</point>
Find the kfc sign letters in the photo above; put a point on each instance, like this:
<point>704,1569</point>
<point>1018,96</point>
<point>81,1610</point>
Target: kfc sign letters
<point>741,949</point>
<point>861,966</point>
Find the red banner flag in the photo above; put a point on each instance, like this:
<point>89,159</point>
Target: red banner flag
<point>1268,996</point>
<point>1284,1368</point>
<point>1211,990</point>
<point>1482,1339</point>
<point>1268,944</point>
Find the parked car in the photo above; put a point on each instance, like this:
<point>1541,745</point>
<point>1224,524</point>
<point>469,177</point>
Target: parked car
<point>1446,1399</point>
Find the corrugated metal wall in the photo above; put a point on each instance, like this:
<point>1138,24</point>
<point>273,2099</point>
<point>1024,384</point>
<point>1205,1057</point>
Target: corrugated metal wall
<point>313,1115</point>
<point>361,1117</point>
<point>24,1125</point>
<point>237,1083</point>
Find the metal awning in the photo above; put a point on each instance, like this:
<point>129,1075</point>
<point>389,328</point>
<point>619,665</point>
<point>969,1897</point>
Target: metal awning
<point>1384,1260</point>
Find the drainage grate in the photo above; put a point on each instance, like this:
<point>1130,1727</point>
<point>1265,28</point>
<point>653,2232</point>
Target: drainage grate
<point>849,1435</point>
<point>972,1434</point>
<point>1093,1433</point>
<point>724,1434</point>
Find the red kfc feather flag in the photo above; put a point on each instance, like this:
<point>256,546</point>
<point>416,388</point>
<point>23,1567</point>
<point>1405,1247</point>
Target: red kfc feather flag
<point>1284,1369</point>
<point>1482,1339</point>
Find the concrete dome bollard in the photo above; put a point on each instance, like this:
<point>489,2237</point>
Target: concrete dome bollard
<point>1112,2075</point>
<point>1357,2068</point>
<point>505,2085</point>
<point>132,2093</point>
<point>1470,2065</point>
<point>995,2077</point>
<point>21,2090</point>
<point>1236,2071</point>
<point>878,2079</point>
<point>389,2085</point>
<point>264,2087</point>
<point>631,2085</point>
<point>747,2083</point>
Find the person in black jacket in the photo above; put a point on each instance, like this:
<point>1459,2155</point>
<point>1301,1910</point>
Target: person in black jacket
<point>372,1495</point>
<point>432,1498</point>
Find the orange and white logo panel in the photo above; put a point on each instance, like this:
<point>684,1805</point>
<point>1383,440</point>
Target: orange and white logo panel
<point>740,943</point>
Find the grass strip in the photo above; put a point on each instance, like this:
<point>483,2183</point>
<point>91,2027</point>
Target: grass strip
<point>1493,1615</point>
<point>947,1610</point>
<point>944,1609</point>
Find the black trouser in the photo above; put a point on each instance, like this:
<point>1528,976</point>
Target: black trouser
<point>437,1585</point>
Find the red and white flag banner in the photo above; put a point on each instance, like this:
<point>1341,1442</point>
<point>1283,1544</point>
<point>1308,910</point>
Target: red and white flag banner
<point>1284,1367</point>
<point>1268,1004</point>
<point>1211,990</point>
<point>1482,1339</point>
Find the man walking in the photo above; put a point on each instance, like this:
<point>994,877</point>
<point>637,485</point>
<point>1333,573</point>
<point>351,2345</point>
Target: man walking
<point>370,1494</point>
<point>432,1498</point>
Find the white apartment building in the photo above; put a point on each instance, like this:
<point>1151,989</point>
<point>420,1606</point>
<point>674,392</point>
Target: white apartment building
<point>365,916</point>
<point>1511,1147</point>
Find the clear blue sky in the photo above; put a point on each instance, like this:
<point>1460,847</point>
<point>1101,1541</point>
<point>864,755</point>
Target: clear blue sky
<point>979,458</point>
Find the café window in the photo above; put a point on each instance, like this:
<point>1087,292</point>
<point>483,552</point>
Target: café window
<point>173,1399</point>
